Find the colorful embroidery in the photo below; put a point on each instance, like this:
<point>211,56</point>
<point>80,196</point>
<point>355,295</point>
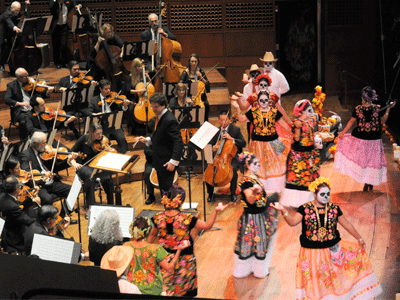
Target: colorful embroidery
<point>264,122</point>
<point>302,167</point>
<point>306,132</point>
<point>260,201</point>
<point>371,123</point>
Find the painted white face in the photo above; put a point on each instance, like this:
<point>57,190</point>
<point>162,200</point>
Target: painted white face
<point>263,85</point>
<point>318,142</point>
<point>309,111</point>
<point>323,195</point>
<point>268,66</point>
<point>263,101</point>
<point>254,167</point>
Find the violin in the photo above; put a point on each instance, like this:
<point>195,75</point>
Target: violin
<point>35,175</point>
<point>62,153</point>
<point>37,85</point>
<point>220,172</point>
<point>82,78</point>
<point>49,114</point>
<point>114,97</point>
<point>103,145</point>
<point>26,191</point>
<point>57,226</point>
<point>143,112</point>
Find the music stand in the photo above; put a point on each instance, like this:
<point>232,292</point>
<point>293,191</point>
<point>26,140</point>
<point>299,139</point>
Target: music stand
<point>169,89</point>
<point>109,121</point>
<point>126,161</point>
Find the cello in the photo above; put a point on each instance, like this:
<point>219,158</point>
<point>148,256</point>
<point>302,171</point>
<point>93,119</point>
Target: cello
<point>220,172</point>
<point>143,112</point>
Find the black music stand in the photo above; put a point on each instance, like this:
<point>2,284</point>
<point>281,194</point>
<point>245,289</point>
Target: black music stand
<point>189,117</point>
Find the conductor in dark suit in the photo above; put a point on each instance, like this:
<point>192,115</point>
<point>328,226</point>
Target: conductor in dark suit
<point>94,108</point>
<point>8,28</point>
<point>233,133</point>
<point>59,31</point>
<point>166,142</point>
<point>17,220</point>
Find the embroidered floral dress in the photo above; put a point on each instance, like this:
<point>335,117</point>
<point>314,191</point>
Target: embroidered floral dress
<point>144,270</point>
<point>328,267</point>
<point>172,231</point>
<point>256,225</point>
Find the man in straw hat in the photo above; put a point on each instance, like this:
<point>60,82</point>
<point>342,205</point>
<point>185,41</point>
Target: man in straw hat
<point>279,83</point>
<point>118,259</point>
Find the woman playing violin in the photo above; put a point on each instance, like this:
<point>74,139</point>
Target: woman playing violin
<point>180,99</point>
<point>87,144</point>
<point>194,73</point>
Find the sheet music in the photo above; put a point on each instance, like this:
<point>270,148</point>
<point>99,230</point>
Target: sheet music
<point>48,23</point>
<point>55,249</point>
<point>126,216</point>
<point>113,161</point>
<point>204,135</point>
<point>2,222</point>
<point>74,192</point>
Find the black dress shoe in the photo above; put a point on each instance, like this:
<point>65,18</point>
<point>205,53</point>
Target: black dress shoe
<point>73,222</point>
<point>209,198</point>
<point>365,189</point>
<point>370,187</point>
<point>151,199</point>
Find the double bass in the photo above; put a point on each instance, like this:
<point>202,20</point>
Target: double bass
<point>220,172</point>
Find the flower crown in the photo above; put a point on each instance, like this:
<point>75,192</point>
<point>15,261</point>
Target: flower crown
<point>244,156</point>
<point>171,203</point>
<point>317,182</point>
<point>263,77</point>
<point>140,233</point>
<point>299,106</point>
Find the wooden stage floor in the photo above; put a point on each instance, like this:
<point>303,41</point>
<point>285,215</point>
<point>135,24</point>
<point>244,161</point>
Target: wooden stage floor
<point>376,215</point>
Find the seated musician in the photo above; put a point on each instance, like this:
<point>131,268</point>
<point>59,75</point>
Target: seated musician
<point>234,134</point>
<point>194,73</point>
<point>73,79</point>
<point>34,119</point>
<point>90,145</point>
<point>29,201</point>
<point>51,186</point>
<point>152,33</point>
<point>18,99</point>
<point>12,239</point>
<point>109,36</point>
<point>8,28</point>
<point>180,99</point>
<point>99,105</point>
<point>131,91</point>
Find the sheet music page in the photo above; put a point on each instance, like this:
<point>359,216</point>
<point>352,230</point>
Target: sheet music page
<point>126,216</point>
<point>205,133</point>
<point>74,192</point>
<point>2,222</point>
<point>113,161</point>
<point>53,248</point>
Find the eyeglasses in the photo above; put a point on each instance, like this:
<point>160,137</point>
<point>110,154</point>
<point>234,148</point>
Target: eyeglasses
<point>268,63</point>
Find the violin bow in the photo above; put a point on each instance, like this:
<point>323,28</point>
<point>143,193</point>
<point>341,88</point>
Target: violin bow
<point>55,119</point>
<point>34,183</point>
<point>34,84</point>
<point>55,157</point>
<point>73,86</point>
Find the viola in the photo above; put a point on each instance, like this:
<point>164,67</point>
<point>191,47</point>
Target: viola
<point>82,78</point>
<point>50,114</point>
<point>143,112</point>
<point>62,153</point>
<point>220,172</point>
<point>103,145</point>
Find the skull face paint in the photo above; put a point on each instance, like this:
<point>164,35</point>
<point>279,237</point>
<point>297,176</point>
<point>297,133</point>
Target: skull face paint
<point>323,195</point>
<point>268,66</point>
<point>254,166</point>
<point>309,111</point>
<point>264,102</point>
<point>263,85</point>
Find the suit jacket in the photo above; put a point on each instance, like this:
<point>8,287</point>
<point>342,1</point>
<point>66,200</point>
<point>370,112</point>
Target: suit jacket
<point>55,11</point>
<point>28,155</point>
<point>146,35</point>
<point>94,107</point>
<point>15,225</point>
<point>7,22</point>
<point>14,95</point>
<point>64,82</point>
<point>234,132</point>
<point>166,140</point>
<point>32,124</point>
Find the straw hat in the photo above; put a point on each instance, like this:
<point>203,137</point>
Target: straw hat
<point>117,258</point>
<point>268,56</point>
<point>253,68</point>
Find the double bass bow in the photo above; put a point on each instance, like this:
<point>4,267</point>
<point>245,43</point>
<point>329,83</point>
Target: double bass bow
<point>220,172</point>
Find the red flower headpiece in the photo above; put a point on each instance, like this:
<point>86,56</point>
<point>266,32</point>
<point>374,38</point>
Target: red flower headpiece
<point>263,77</point>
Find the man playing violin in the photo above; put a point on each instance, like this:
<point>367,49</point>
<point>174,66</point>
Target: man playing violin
<point>233,133</point>
<point>18,99</point>
<point>73,79</point>
<point>51,187</point>
<point>34,120</point>
<point>104,104</point>
<point>8,25</point>
<point>12,239</point>
<point>90,145</point>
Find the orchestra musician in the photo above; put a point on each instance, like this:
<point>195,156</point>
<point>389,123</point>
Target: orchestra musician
<point>19,99</point>
<point>8,25</point>
<point>68,81</point>
<point>87,145</point>
<point>193,73</point>
<point>51,187</point>
<point>180,99</point>
<point>234,134</point>
<point>59,31</point>
<point>166,142</point>
<point>12,239</point>
<point>34,121</point>
<point>99,105</point>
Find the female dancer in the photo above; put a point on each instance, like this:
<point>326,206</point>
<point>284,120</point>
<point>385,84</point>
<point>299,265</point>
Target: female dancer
<point>360,154</point>
<point>303,159</point>
<point>270,149</point>
<point>144,270</point>
<point>180,99</point>
<point>257,225</point>
<point>173,228</point>
<point>328,267</point>
<point>194,73</point>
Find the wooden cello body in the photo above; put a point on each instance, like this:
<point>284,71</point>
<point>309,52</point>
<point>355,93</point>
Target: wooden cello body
<point>143,112</point>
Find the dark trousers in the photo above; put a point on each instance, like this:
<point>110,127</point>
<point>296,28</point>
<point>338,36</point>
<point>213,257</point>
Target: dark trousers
<point>119,136</point>
<point>50,192</point>
<point>165,177</point>
<point>59,38</point>
<point>85,174</point>
<point>5,51</point>
<point>147,171</point>
<point>235,166</point>
<point>20,117</point>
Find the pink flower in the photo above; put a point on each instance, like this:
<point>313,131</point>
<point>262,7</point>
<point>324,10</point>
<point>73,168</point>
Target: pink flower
<point>305,265</point>
<point>350,255</point>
